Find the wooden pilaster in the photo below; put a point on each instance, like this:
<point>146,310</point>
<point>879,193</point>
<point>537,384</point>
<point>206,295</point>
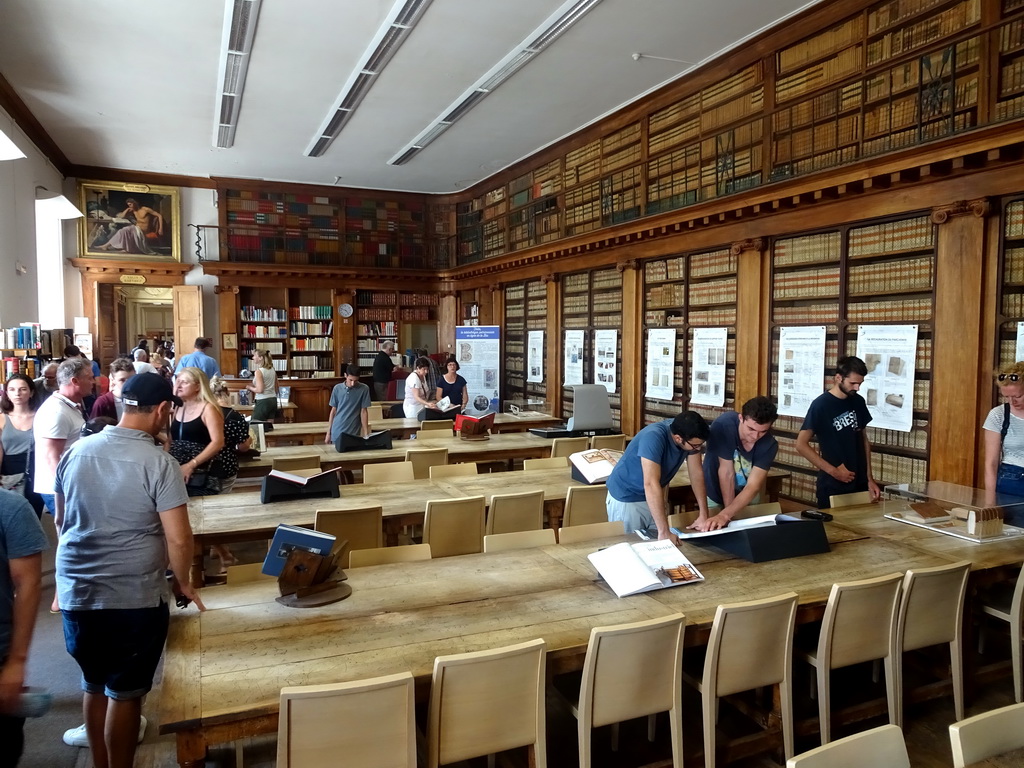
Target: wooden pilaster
<point>630,375</point>
<point>751,328</point>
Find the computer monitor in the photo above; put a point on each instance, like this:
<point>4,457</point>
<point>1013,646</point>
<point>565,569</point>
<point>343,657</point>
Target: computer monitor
<point>590,408</point>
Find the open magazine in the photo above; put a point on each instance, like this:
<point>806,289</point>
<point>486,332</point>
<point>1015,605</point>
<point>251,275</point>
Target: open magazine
<point>594,466</point>
<point>631,569</point>
<point>761,521</point>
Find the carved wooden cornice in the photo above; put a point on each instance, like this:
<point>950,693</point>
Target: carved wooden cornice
<point>549,278</point>
<point>226,289</point>
<point>448,294</point>
<point>622,266</point>
<point>114,268</point>
<point>978,208</point>
<point>243,274</point>
<point>752,244</point>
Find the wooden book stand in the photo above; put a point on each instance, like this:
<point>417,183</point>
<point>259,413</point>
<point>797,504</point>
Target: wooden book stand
<point>305,580</point>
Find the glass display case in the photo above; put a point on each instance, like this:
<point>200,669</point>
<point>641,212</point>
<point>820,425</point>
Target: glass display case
<point>526,407</point>
<point>955,510</point>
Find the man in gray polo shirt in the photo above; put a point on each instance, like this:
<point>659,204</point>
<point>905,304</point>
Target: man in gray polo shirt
<point>350,402</point>
<point>112,556</point>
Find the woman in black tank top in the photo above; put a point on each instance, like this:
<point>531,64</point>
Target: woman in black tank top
<point>197,428</point>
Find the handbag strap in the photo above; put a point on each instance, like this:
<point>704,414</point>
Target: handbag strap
<point>1004,429</point>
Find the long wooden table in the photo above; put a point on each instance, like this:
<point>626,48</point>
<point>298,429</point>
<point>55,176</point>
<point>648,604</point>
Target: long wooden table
<point>287,410</point>
<point>224,669</point>
<point>313,432</point>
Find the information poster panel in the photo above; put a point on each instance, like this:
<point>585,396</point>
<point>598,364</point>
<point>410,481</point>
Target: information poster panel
<point>478,350</point>
<point>661,344</point>
<point>890,353</point>
<point>801,368</point>
<point>707,374</point>
<point>535,356</point>
<point>605,366</point>
<point>573,352</point>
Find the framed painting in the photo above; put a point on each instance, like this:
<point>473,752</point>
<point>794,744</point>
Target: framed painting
<point>125,220</point>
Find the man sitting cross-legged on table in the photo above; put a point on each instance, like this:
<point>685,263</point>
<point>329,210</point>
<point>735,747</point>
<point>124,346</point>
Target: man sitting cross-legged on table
<point>638,486</point>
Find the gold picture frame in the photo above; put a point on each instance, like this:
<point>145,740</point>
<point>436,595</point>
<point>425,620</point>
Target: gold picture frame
<point>129,221</point>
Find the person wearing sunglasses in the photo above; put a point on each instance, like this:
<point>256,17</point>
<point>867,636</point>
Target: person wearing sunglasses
<point>638,485</point>
<point>838,419</point>
<point>1004,436</point>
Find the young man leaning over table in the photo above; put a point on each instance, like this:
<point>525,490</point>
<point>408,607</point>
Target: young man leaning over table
<point>350,403</point>
<point>740,451</point>
<point>638,486</point>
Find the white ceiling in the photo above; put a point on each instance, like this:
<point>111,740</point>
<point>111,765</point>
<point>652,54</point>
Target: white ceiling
<point>135,86</point>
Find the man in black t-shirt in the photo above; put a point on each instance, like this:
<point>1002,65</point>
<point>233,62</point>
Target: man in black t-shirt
<point>382,368</point>
<point>838,419</point>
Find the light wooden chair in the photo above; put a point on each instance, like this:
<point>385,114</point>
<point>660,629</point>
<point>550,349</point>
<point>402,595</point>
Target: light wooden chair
<point>987,735</point>
<point>564,446</point>
<point>407,553</point>
<point>751,646</point>
<point>859,625</point>
<point>438,425</point>
<point>455,526</point>
<point>453,470</point>
<point>503,542</point>
<point>682,519</point>
<point>241,574</point>
<point>1004,604</point>
<point>849,499</point>
<point>931,613</point>
<point>615,442</point>
<point>585,504</point>
<point>578,533</point>
<point>389,472</point>
<point>632,670</point>
<point>882,746</point>
<point>375,412</point>
<point>510,512</point>
<point>423,459</point>
<point>370,722</point>
<point>361,528</point>
<point>558,462</point>
<point>292,463</point>
<point>486,702</point>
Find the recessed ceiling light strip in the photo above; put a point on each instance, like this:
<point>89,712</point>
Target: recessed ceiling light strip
<point>240,18</point>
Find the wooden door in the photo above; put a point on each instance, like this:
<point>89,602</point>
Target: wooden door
<point>188,317</point>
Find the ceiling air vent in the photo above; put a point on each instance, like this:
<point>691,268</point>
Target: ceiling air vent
<point>405,157</point>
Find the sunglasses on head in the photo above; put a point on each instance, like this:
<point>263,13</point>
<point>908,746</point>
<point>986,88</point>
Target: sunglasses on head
<point>1014,377</point>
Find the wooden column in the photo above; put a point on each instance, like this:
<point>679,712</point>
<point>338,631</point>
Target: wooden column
<point>553,330</point>
<point>229,320</point>
<point>447,319</point>
<point>751,320</point>
<point>958,325</point>
<point>344,330</point>
<point>630,373</point>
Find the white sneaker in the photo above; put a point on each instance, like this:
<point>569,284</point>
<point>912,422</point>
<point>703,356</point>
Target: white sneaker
<point>76,737</point>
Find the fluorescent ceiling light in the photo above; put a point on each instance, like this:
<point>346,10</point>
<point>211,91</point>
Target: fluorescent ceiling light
<point>240,19</point>
<point>393,32</point>
<point>8,149</point>
<point>554,27</point>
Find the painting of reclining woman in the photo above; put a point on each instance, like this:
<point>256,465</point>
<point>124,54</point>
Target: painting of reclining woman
<point>129,220</point>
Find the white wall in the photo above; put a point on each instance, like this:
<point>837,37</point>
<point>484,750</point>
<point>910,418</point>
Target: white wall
<point>197,207</point>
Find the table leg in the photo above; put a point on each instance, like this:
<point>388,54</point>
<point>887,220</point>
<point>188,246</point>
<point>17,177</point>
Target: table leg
<point>198,575</point>
<point>191,749</point>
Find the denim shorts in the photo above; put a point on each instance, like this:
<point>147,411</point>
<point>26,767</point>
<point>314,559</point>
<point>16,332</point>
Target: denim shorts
<point>117,649</point>
<point>1010,482</point>
<point>634,515</point>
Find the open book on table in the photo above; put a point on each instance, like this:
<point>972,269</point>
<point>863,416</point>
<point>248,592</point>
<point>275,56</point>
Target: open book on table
<point>445,404</point>
<point>631,569</point>
<point>594,466</point>
<point>301,476</point>
<point>291,537</point>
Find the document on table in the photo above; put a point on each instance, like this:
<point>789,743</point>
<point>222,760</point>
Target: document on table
<point>736,525</point>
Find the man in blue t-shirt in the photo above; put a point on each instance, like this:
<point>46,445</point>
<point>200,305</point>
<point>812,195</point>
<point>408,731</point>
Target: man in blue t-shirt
<point>740,453</point>
<point>838,419</point>
<point>198,358</point>
<point>638,486</point>
<point>350,402</point>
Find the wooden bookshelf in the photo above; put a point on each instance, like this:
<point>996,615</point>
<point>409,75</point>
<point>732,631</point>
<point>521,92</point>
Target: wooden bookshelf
<point>295,325</point>
<point>513,340</point>
<point>264,325</point>
<point>380,315</point>
<point>1011,281</point>
<point>536,318</point>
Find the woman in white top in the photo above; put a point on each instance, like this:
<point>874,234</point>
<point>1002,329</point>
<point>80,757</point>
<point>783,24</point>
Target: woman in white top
<point>264,386</point>
<point>1004,456</point>
<point>417,390</point>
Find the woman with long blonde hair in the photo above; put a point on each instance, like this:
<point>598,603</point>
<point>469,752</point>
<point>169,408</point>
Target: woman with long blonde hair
<point>264,386</point>
<point>197,431</point>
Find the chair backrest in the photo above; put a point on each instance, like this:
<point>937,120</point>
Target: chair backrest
<point>486,702</point>
<point>632,670</point>
<point>557,462</point>
<point>509,512</point>
<point>438,425</point>
<point>615,442</point>
<point>879,746</point>
<point>751,645</point>
<point>564,446</point>
<point>454,526</point>
<point>370,722</point>
<point>240,574</point>
<point>932,606</point>
<point>585,504</point>
<point>290,463</point>
<point>849,499</point>
<point>503,542</point>
<point>375,412</point>
<point>424,458</point>
<point>408,553</point>
<point>453,470</point>
<point>860,621</point>
<point>576,533</point>
<point>987,735</point>
<point>388,472</point>
<point>397,410</point>
<point>361,528</point>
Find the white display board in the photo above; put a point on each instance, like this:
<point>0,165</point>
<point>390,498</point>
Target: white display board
<point>605,365</point>
<point>1018,353</point>
<point>661,345</point>
<point>707,372</point>
<point>890,353</point>
<point>535,356</point>
<point>478,350</point>
<point>801,367</point>
<point>573,354</point>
